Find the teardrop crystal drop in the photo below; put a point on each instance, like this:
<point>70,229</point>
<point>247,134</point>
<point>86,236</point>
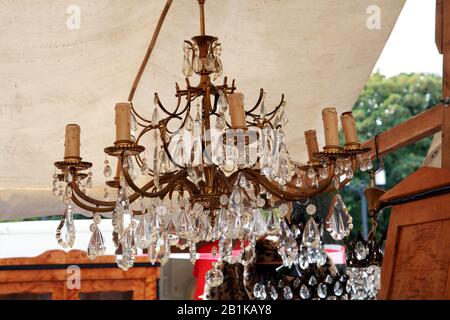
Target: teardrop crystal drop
<point>311,234</point>
<point>273,223</point>
<point>338,222</point>
<point>143,235</point>
<point>187,67</point>
<point>96,244</point>
<point>107,172</point>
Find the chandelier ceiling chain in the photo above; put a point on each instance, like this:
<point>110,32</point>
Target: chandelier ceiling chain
<point>207,181</point>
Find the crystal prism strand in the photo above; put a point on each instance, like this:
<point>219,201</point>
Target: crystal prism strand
<point>273,223</point>
<point>96,243</point>
<point>143,235</point>
<point>214,277</point>
<point>65,233</point>
<point>338,222</point>
<point>311,234</point>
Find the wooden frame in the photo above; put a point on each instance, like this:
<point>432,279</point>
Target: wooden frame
<point>47,273</point>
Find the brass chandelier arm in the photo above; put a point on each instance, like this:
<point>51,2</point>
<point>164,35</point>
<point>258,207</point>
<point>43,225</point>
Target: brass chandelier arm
<point>89,208</point>
<point>255,176</point>
<point>163,192</point>
<point>149,49</point>
<point>86,198</point>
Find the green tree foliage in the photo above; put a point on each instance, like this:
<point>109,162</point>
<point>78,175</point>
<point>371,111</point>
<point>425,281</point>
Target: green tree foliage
<point>383,104</point>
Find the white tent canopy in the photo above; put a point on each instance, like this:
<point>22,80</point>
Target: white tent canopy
<point>318,53</point>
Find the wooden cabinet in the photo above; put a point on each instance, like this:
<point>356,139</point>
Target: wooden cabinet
<point>417,255</point>
<point>53,276</point>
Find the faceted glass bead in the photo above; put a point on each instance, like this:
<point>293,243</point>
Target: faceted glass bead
<point>304,292</point>
<point>287,293</point>
<point>214,277</point>
<point>322,290</point>
<point>361,250</point>
<point>273,292</point>
<point>312,281</point>
<point>338,289</point>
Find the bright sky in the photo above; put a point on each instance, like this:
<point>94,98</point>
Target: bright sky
<point>411,46</point>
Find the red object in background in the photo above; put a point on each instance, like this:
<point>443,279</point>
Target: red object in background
<point>201,267</point>
<point>204,264</point>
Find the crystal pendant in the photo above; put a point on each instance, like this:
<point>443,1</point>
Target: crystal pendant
<point>273,292</point>
<point>192,252</point>
<point>361,250</point>
<point>304,292</point>
<point>263,113</point>
<point>143,235</point>
<point>259,291</point>
<point>259,225</point>
<point>133,123</point>
<point>185,229</point>
<point>126,253</point>
<point>65,233</point>
<point>312,281</point>
<point>172,235</point>
<point>287,293</point>
<point>155,116</point>
<point>197,64</point>
<point>96,244</point>
<point>338,289</point>
<point>311,234</point>
<point>273,223</point>
<point>145,170</point>
<point>214,277</point>
<point>189,123</point>
<point>187,67</point>
<point>107,172</point>
<point>338,222</point>
<point>220,122</point>
<point>322,290</point>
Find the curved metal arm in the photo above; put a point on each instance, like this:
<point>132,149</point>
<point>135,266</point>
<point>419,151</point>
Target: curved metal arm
<point>255,176</point>
<point>161,193</point>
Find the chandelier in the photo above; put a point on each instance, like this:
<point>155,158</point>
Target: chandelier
<point>213,171</point>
